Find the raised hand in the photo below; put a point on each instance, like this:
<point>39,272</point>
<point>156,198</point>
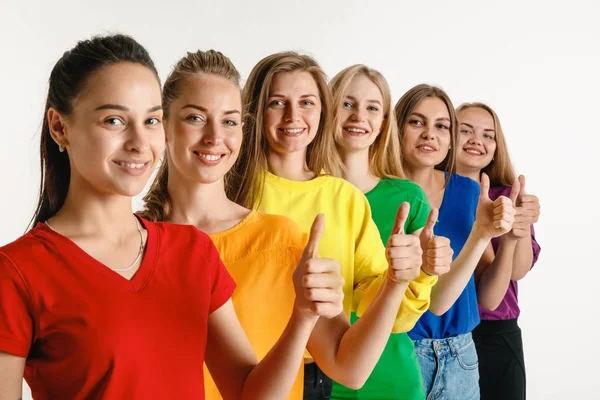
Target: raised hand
<point>317,281</point>
<point>437,253</point>
<point>403,252</point>
<point>527,211</point>
<point>494,218</point>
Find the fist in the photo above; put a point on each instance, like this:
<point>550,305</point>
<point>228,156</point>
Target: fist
<point>317,281</point>
<point>403,252</point>
<point>494,218</point>
<point>437,253</point>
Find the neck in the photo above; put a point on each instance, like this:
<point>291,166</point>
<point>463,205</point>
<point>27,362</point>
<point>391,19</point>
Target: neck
<point>204,206</point>
<point>426,177</point>
<point>290,166</point>
<point>88,212</point>
<point>473,173</point>
<point>357,169</point>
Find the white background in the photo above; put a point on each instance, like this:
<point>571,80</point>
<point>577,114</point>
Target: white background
<point>536,63</point>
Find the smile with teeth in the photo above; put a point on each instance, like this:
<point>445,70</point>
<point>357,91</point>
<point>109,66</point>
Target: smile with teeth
<point>292,131</point>
<point>209,157</point>
<point>473,152</point>
<point>131,165</point>
<point>355,130</point>
<point>426,147</point>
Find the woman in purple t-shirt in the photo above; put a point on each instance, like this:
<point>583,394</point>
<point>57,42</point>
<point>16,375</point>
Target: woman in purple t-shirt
<point>482,148</point>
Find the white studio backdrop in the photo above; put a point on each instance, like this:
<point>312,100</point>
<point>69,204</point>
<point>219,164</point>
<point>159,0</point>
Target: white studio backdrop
<point>535,62</point>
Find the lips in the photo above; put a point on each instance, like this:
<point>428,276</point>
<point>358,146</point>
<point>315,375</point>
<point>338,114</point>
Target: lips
<point>132,167</point>
<point>292,131</point>
<point>473,151</point>
<point>426,148</point>
<point>355,130</point>
<point>209,158</point>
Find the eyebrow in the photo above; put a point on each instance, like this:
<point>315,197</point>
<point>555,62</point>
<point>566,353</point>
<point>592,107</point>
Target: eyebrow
<point>302,97</point>
<point>123,108</point>
<point>370,101</point>
<point>203,109</point>
<point>471,126</point>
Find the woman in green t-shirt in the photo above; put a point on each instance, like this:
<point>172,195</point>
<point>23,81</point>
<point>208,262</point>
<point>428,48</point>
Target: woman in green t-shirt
<point>368,144</point>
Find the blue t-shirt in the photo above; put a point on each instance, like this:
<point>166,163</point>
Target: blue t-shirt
<point>456,218</point>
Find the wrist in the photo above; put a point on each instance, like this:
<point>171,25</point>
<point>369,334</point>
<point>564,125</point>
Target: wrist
<point>303,318</point>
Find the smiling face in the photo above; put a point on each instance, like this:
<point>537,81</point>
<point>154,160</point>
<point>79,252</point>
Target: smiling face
<point>204,128</point>
<point>476,139</point>
<point>114,135</point>
<point>426,139</point>
<point>293,112</point>
<point>361,114</point>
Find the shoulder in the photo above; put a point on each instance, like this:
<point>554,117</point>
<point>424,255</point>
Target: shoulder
<point>402,186</point>
<point>280,230</point>
<point>176,235</point>
<point>25,248</point>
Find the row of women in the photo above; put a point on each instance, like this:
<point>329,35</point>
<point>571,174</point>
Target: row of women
<point>302,239</point>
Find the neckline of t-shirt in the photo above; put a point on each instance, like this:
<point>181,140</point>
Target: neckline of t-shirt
<point>296,186</point>
<point>247,220</point>
<point>385,180</point>
<point>69,248</point>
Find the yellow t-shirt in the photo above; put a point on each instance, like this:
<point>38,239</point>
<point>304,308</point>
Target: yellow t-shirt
<point>260,254</point>
<point>350,236</point>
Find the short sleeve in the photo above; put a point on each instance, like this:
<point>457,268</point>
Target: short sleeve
<point>222,284</point>
<point>16,322</point>
<point>419,211</point>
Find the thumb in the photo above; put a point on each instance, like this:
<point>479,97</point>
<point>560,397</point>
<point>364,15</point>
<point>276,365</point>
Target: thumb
<point>484,188</point>
<point>522,181</point>
<point>316,231</point>
<point>515,191</point>
<point>427,231</point>
<point>401,217</point>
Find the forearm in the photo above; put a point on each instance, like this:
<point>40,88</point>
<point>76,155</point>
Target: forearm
<point>450,285</point>
<point>11,376</point>
<point>274,376</point>
<point>494,280</point>
<point>361,346</point>
<point>523,258</point>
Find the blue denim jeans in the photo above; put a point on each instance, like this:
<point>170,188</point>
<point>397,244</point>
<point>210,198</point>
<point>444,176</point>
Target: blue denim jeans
<point>449,367</point>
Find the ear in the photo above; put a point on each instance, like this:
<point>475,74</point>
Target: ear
<point>57,125</point>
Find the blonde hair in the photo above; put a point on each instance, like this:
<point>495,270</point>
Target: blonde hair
<point>406,105</point>
<point>249,170</point>
<point>384,160</point>
<point>500,169</point>
<point>157,203</point>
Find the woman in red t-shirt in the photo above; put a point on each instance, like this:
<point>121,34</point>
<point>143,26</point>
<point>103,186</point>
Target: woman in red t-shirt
<point>98,303</point>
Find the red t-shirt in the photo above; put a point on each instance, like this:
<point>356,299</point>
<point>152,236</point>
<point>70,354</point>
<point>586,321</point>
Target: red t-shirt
<point>87,332</point>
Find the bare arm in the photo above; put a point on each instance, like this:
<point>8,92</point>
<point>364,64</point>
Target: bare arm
<point>233,365</point>
<point>11,376</point>
<point>494,277</point>
<point>522,259</point>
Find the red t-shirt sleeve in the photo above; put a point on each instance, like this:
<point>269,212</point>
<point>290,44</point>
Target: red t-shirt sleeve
<point>16,323</point>
<point>222,283</point>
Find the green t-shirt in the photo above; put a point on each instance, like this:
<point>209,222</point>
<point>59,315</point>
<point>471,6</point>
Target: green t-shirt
<point>397,375</point>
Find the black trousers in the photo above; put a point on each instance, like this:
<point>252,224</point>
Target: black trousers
<point>501,362</point>
<point>317,385</point>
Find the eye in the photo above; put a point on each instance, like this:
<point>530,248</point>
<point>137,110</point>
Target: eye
<point>416,122</point>
<point>466,131</point>
<point>153,121</point>
<point>372,108</point>
<point>114,121</point>
<point>194,118</point>
<point>230,122</point>
<point>276,103</point>
<point>488,136</point>
<point>347,104</point>
<point>442,126</point>
<point>307,103</point>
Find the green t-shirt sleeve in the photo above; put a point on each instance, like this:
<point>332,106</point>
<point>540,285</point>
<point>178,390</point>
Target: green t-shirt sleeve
<point>419,210</point>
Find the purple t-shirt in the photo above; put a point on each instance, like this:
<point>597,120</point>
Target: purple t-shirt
<point>509,307</point>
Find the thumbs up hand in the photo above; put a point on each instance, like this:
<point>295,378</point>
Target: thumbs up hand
<point>403,252</point>
<point>437,253</point>
<point>495,218</point>
<point>317,281</point>
<point>527,211</point>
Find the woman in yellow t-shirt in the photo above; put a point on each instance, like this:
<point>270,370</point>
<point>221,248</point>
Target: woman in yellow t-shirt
<point>284,169</point>
<point>203,123</point>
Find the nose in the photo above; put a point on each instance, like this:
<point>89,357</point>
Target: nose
<point>358,115</point>
<point>137,141</point>
<point>291,112</point>
<point>428,132</point>
<point>213,134</point>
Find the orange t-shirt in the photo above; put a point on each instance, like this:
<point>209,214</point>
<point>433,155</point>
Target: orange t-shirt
<point>261,254</point>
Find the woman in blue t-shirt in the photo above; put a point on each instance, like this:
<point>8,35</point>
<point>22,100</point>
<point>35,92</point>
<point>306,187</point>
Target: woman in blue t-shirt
<point>443,343</point>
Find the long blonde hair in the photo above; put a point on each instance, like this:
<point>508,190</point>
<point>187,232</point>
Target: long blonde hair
<point>249,170</point>
<point>406,106</point>
<point>500,169</point>
<point>384,161</point>
<point>157,203</point>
